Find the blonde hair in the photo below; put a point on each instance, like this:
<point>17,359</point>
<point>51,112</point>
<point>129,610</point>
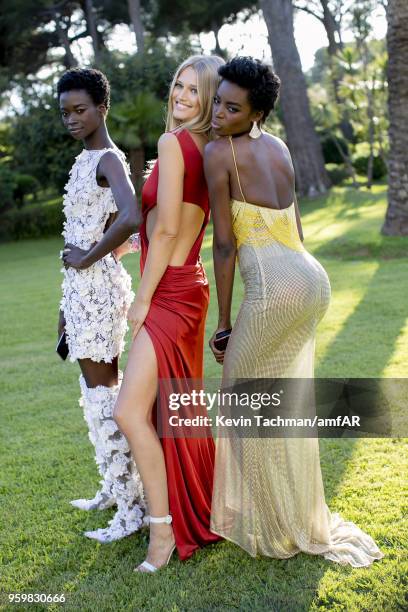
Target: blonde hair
<point>208,79</point>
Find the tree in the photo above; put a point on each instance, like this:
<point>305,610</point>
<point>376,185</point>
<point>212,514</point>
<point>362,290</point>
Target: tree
<point>136,124</point>
<point>303,142</point>
<point>329,13</point>
<point>24,44</point>
<point>396,220</point>
<point>91,20</point>
<point>135,15</point>
<point>41,145</point>
<point>203,16</point>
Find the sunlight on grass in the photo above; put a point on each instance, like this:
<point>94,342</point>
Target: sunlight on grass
<point>46,458</point>
<point>397,364</point>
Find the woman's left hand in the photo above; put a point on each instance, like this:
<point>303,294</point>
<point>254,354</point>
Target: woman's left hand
<point>137,314</point>
<point>74,257</point>
<point>219,355</point>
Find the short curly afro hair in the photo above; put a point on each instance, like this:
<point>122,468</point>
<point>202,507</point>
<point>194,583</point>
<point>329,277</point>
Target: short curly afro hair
<point>94,82</point>
<point>258,78</point>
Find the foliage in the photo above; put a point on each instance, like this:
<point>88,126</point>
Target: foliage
<point>204,16</point>
<point>137,121</point>
<point>379,166</point>
<point>25,185</point>
<point>42,147</point>
<point>361,97</point>
<point>358,79</point>
<point>330,146</point>
<point>337,173</point>
<point>7,187</point>
<point>152,72</point>
<point>24,40</point>
<point>34,221</point>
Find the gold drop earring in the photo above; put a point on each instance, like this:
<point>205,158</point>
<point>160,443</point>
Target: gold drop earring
<point>255,132</point>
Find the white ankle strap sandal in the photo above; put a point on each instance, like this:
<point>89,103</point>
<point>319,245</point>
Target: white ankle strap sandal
<point>161,519</point>
<point>146,565</point>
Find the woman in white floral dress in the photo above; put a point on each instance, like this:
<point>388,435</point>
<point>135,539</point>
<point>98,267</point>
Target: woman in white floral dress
<point>97,290</point>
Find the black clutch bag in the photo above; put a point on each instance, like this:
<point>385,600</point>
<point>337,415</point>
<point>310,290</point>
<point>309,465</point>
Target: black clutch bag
<point>62,346</point>
<point>221,339</point>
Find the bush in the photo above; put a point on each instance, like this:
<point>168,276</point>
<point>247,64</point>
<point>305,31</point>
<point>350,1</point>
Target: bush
<point>379,168</point>
<point>32,222</point>
<point>7,187</point>
<point>337,173</point>
<point>330,150</point>
<point>25,185</point>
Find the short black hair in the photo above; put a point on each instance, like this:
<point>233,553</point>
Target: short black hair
<point>258,78</point>
<point>93,81</point>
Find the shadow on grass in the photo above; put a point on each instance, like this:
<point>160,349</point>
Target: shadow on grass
<point>94,576</point>
<point>346,199</point>
<point>219,577</point>
<point>374,323</point>
<point>350,247</point>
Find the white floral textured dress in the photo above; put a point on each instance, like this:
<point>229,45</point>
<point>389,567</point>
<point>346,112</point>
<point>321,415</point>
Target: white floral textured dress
<point>96,300</point>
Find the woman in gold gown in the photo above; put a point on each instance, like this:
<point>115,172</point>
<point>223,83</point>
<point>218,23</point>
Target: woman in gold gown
<point>268,492</point>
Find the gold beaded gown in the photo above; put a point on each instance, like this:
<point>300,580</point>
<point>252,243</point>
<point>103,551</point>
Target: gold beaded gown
<point>268,493</point>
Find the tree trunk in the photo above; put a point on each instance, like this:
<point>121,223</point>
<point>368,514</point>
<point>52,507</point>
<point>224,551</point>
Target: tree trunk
<point>396,219</point>
<point>331,28</point>
<point>135,15</point>
<point>347,161</point>
<point>91,23</point>
<point>371,134</point>
<point>217,49</point>
<point>137,167</point>
<point>62,31</point>
<point>304,145</point>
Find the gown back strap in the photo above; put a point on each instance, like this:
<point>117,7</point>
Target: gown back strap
<point>236,169</point>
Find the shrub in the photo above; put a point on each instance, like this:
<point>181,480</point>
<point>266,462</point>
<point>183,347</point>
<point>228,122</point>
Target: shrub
<point>337,173</point>
<point>25,185</point>
<point>330,150</point>
<point>7,187</point>
<point>379,167</point>
<point>31,222</point>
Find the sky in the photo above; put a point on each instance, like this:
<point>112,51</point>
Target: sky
<point>250,38</point>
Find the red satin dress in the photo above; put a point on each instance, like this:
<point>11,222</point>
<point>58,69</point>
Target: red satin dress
<point>175,324</point>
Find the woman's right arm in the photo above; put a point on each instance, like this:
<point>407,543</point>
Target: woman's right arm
<point>224,244</point>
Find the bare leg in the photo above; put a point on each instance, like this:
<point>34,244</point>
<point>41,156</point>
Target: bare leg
<point>99,373</point>
<point>133,414</point>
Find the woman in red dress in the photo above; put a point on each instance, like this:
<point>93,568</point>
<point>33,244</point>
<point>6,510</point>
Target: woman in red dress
<point>168,319</point>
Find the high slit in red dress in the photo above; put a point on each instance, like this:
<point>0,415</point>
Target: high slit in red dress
<point>175,324</point>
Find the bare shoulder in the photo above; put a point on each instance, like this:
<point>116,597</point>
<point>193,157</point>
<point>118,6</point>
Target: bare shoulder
<point>216,150</point>
<point>278,143</point>
<point>111,161</point>
<point>168,142</point>
<point>169,150</point>
<point>280,148</point>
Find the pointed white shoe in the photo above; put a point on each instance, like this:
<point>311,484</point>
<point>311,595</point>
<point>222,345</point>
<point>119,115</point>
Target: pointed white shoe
<point>149,568</point>
<point>125,522</point>
<point>102,501</point>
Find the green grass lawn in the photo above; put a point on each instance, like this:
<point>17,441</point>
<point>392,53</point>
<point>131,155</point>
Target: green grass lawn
<point>46,459</point>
